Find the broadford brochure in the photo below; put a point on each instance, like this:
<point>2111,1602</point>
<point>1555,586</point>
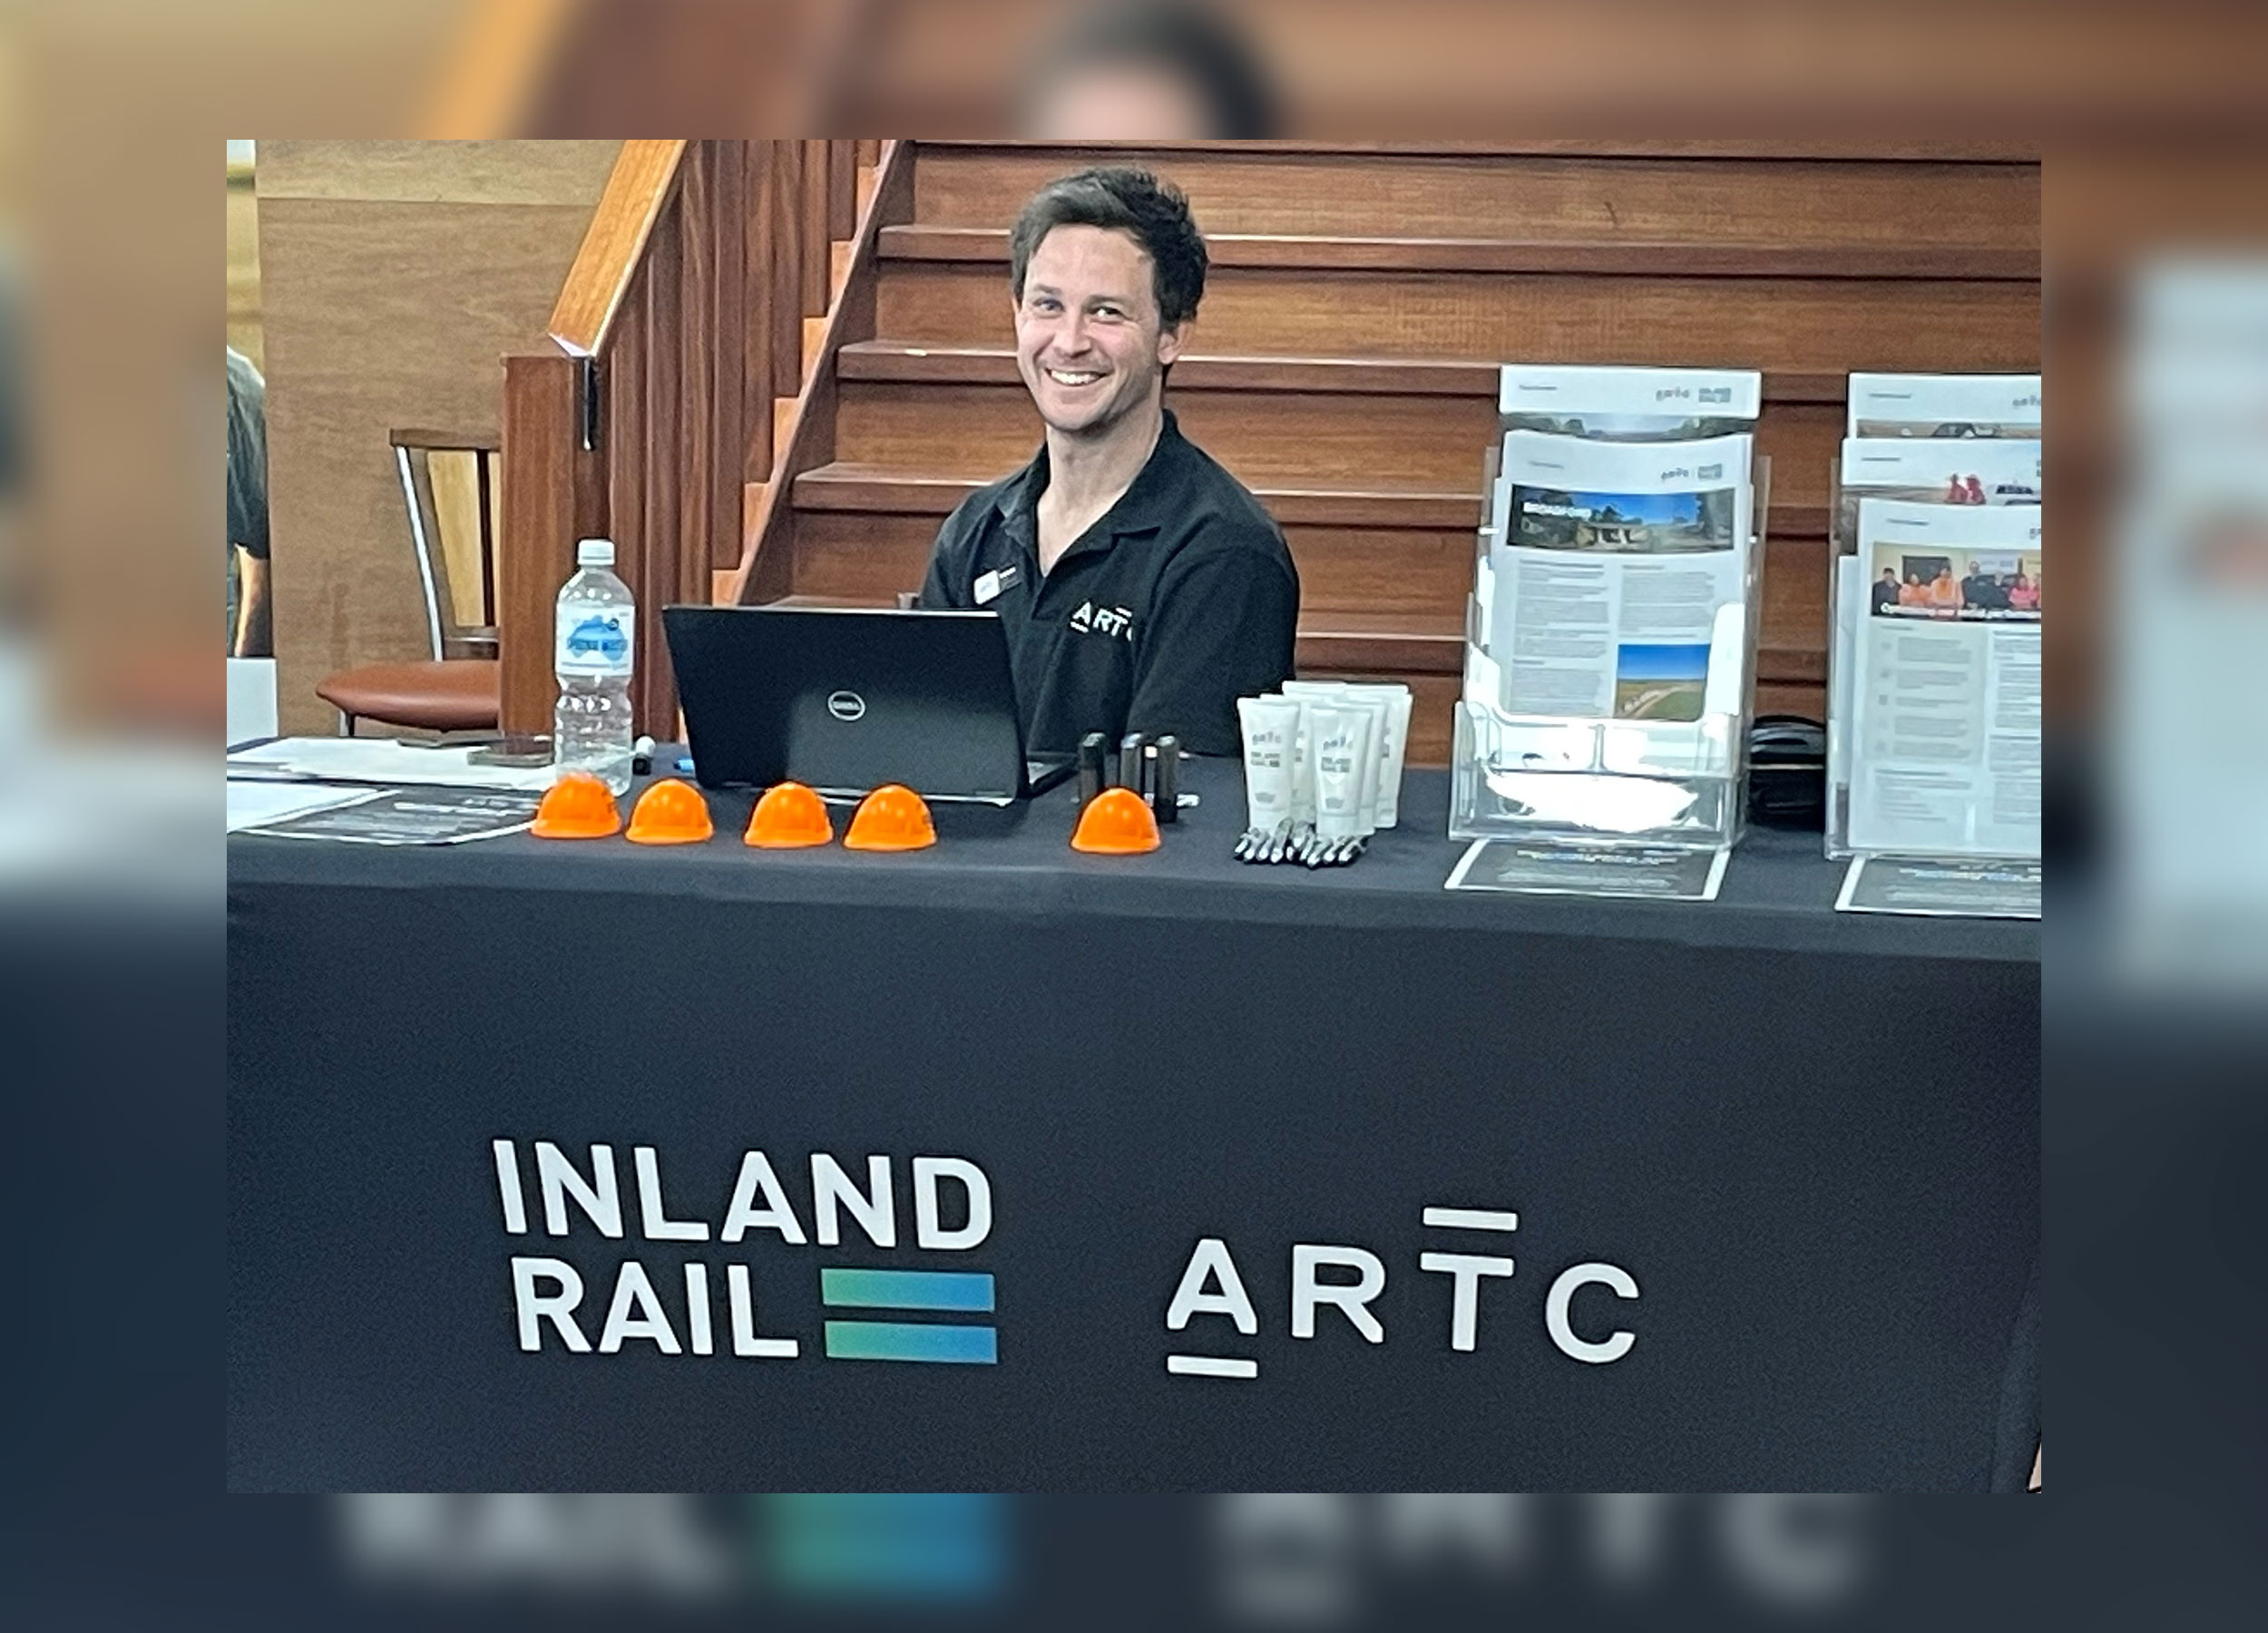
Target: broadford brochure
<point>1613,566</point>
<point>1947,713</point>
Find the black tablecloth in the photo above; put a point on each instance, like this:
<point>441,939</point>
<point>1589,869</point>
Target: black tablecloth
<point>1810,1140</point>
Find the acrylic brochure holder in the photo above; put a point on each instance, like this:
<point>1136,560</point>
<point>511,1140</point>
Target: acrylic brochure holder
<point>1647,800</point>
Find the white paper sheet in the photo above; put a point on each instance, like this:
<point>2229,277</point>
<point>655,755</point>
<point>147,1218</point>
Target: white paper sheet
<point>252,804</point>
<point>382,760</point>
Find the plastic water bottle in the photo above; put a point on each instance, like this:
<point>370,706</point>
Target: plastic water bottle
<point>597,636</point>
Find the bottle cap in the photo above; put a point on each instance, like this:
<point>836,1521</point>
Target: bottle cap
<point>577,807</point>
<point>891,819</point>
<point>1117,822</point>
<point>788,817</point>
<point>671,813</point>
<point>595,552</point>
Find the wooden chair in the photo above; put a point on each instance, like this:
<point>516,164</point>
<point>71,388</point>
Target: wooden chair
<point>453,534</point>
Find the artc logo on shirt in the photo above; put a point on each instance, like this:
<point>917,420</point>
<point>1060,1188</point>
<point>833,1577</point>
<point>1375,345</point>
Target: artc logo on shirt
<point>1103,620</point>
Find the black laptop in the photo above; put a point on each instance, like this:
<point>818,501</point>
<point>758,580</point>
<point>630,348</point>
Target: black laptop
<point>845,699</point>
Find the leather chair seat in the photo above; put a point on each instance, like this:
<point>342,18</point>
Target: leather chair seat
<point>457,695</point>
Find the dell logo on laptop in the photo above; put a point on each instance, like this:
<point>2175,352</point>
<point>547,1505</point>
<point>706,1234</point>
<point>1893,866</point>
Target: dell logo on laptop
<point>847,706</point>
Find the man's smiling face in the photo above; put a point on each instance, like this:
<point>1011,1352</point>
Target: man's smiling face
<point>1089,342</point>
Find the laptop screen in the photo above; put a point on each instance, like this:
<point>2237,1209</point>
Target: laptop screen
<point>847,699</point>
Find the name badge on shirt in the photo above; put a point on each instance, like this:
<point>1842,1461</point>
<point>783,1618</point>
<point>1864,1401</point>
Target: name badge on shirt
<point>990,584</point>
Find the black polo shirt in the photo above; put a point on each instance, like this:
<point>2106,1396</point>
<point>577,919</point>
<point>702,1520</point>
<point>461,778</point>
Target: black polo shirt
<point>1179,601</point>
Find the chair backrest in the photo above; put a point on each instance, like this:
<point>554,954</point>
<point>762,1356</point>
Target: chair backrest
<point>450,487</point>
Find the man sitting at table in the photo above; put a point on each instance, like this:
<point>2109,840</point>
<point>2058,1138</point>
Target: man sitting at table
<point>1143,588</point>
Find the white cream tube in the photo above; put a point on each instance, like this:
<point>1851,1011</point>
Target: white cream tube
<point>1342,738</point>
<point>1382,803</point>
<point>1397,745</point>
<point>1271,739</point>
<point>1356,696</point>
<point>1303,764</point>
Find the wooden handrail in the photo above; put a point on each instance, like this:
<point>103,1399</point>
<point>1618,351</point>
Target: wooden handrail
<point>649,413</point>
<point>644,174</point>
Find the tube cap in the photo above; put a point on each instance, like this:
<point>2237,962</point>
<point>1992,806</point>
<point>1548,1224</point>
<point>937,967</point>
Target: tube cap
<point>788,817</point>
<point>1117,822</point>
<point>595,552</point>
<point>891,819</point>
<point>577,807</point>
<point>671,813</point>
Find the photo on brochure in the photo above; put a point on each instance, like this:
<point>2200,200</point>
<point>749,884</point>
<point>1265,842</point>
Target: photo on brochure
<point>1624,523</point>
<point>1948,430</point>
<point>1947,581</point>
<point>1661,683</point>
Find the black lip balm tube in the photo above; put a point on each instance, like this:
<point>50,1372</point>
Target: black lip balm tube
<point>1092,749</point>
<point>1166,799</point>
<point>1131,761</point>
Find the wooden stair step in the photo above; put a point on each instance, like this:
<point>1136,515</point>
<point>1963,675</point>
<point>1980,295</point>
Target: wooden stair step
<point>1270,440</point>
<point>1304,252</point>
<point>846,486</point>
<point>858,487</point>
<point>909,362</point>
<point>1551,190</point>
<point>1769,323</point>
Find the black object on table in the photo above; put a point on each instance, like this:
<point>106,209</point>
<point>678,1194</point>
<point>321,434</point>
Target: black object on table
<point>1808,1143</point>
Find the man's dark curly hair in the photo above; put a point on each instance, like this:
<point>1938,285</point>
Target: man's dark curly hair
<point>1128,200</point>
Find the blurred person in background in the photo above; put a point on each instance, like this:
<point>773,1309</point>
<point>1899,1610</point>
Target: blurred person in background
<point>248,632</point>
<point>1148,73</point>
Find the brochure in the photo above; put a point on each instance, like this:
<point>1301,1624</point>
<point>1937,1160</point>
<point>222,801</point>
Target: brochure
<point>1946,724</point>
<point>1656,873</point>
<point>1610,569</point>
<point>1931,889</point>
<point>1964,405</point>
<point>1651,404</point>
<point>1986,471</point>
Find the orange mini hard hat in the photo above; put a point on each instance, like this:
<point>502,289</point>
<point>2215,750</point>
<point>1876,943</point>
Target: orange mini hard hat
<point>1117,822</point>
<point>788,817</point>
<point>671,813</point>
<point>577,807</point>
<point>891,819</point>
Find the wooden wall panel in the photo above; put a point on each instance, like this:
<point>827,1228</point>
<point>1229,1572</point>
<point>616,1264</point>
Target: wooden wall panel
<point>393,277</point>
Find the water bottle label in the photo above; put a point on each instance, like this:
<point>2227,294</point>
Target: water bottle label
<point>594,643</point>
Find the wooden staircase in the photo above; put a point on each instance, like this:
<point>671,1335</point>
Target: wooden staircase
<point>1342,362</point>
